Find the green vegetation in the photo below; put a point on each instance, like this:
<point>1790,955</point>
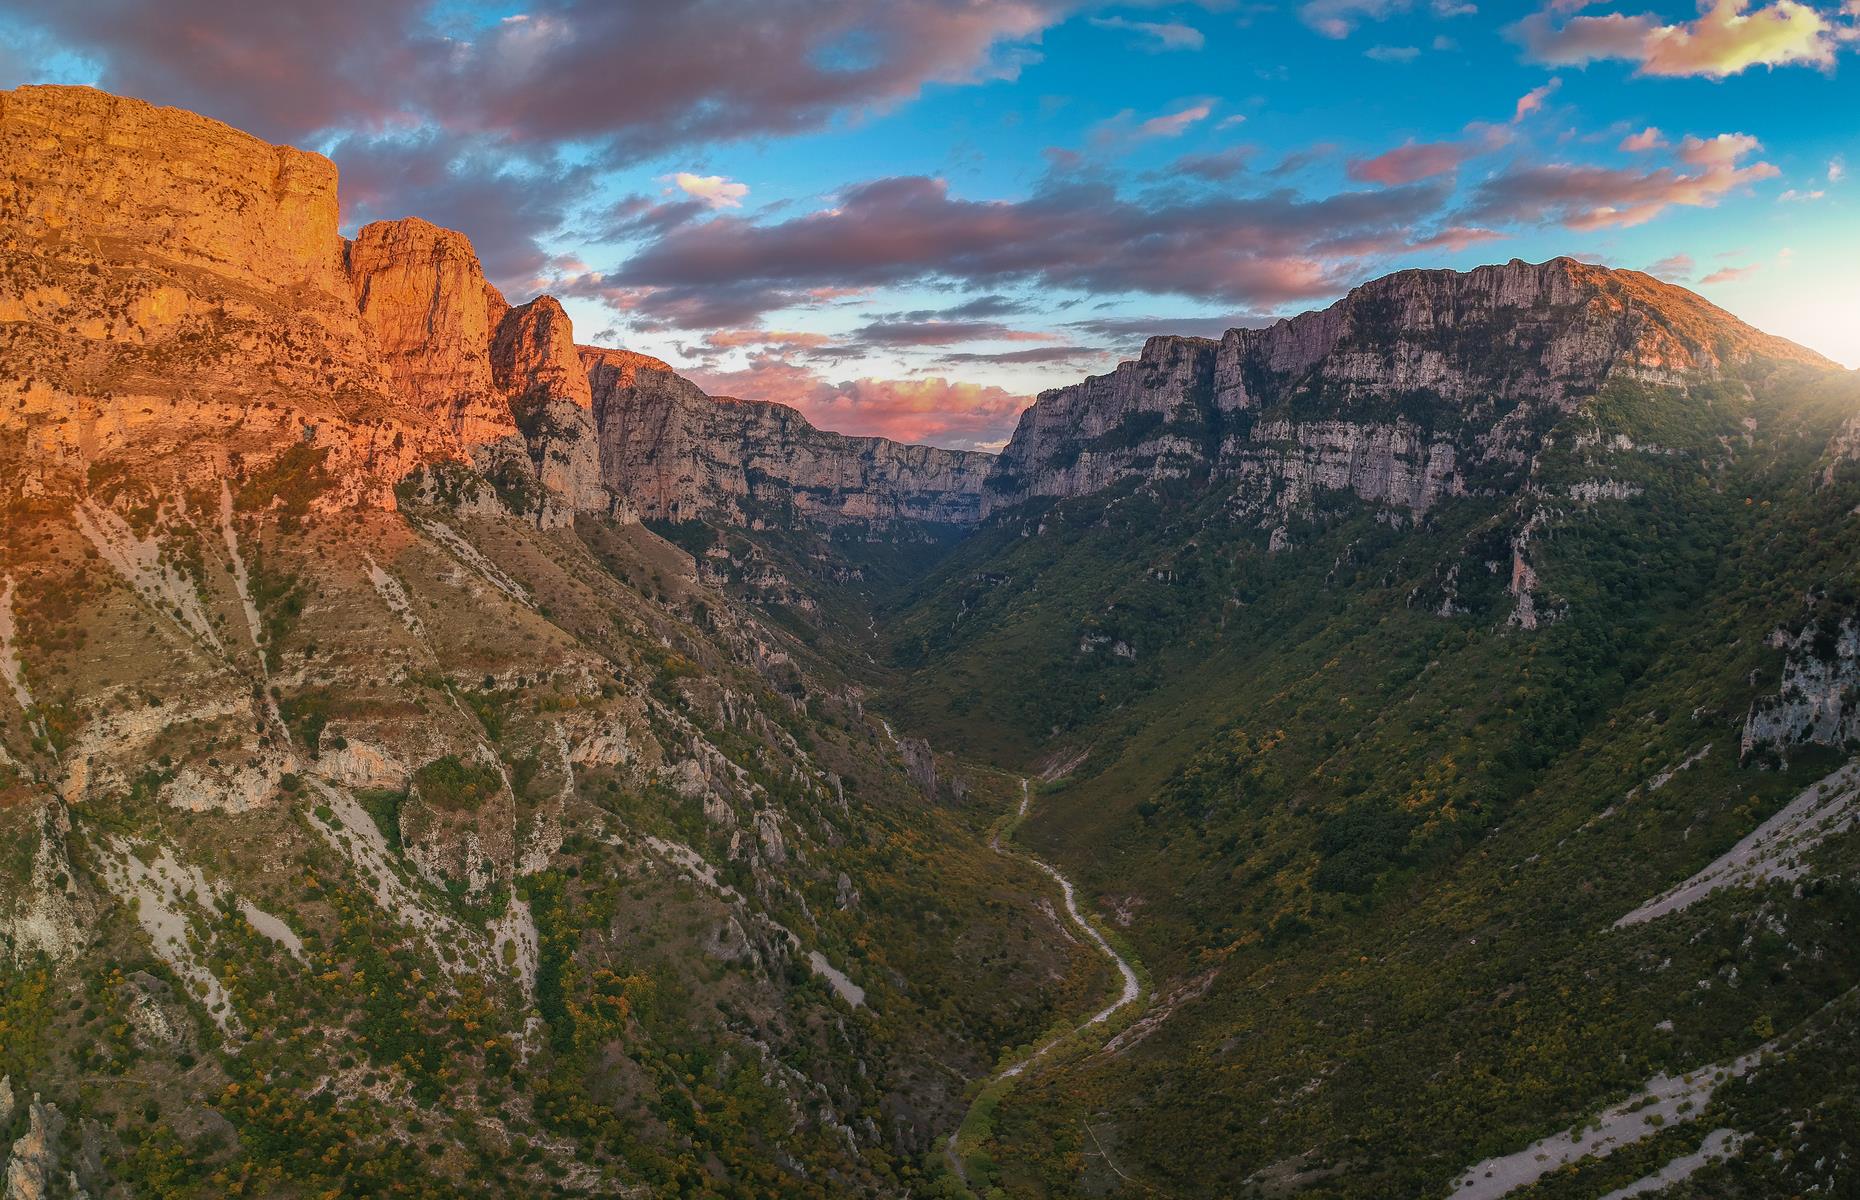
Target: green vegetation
<point>452,784</point>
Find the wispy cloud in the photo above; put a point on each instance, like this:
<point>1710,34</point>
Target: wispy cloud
<point>1534,100</point>
<point>1589,197</point>
<point>1410,162</point>
<point>1156,36</point>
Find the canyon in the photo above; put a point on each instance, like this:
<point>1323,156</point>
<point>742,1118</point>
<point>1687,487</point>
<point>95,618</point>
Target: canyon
<point>441,757</point>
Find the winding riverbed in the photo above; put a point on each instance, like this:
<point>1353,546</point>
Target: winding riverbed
<point>1131,991</point>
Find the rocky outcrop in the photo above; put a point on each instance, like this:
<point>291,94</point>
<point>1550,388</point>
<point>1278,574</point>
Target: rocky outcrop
<point>33,1163</point>
<point>537,367</point>
<point>673,453</point>
<point>1414,387</point>
<point>432,316</point>
<point>1819,701</point>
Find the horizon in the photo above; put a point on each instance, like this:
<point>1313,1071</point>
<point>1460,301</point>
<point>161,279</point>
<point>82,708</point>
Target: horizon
<point>908,222</point>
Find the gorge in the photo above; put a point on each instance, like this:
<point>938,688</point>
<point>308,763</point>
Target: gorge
<point>440,757</point>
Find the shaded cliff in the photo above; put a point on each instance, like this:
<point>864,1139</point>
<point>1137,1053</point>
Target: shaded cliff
<point>675,453</point>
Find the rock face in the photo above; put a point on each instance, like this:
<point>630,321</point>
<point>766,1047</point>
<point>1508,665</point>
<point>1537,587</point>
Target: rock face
<point>165,277</point>
<point>1413,387</point>
<point>34,1161</point>
<point>675,453</point>
<point>537,367</point>
<point>432,316</point>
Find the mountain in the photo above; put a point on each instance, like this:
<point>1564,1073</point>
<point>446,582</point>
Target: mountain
<point>678,454</point>
<point>1413,387</point>
<point>1449,699</point>
<point>384,809</point>
<point>440,758</point>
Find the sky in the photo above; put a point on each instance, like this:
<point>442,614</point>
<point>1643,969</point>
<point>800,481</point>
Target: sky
<point>908,217</point>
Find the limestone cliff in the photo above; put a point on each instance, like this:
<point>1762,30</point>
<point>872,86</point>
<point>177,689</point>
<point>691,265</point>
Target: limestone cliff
<point>537,368</point>
<point>173,303</point>
<point>675,453</point>
<point>1411,388</point>
<point>432,315</point>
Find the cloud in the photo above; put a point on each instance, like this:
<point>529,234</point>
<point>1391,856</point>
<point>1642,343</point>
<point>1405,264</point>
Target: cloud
<point>624,81</point>
<point>1038,355</point>
<point>1647,139</point>
<point>1837,169</point>
<point>933,410</point>
<point>1340,18</point>
<point>504,203</point>
<point>1457,238</point>
<point>714,190</point>
<point>1728,275</point>
<point>1156,36</point>
<point>1257,250</point>
<point>1534,99</point>
<point>1794,196</point>
<point>1588,197</point>
<point>1393,54</point>
<point>1409,163</point>
<point>941,333</point>
<point>1728,37</point>
<point>735,339</point>
<point>1674,268</point>
<point>1216,167</point>
<point>1174,124</point>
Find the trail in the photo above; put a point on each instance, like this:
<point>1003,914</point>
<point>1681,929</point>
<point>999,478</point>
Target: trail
<point>1131,991</point>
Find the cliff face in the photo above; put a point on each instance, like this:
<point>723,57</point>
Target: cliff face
<point>1411,388</point>
<point>537,368</point>
<point>172,301</point>
<point>432,316</point>
<point>675,453</point>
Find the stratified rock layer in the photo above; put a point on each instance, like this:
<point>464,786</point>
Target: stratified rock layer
<point>675,453</point>
<point>432,315</point>
<point>537,367</point>
<point>173,301</point>
<point>1411,388</point>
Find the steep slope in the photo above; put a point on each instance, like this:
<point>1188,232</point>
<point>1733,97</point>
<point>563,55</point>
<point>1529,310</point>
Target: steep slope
<point>375,821</point>
<point>1401,791</point>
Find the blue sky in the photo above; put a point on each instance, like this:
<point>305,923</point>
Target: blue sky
<point>907,218</point>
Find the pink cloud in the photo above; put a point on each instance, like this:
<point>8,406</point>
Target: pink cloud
<point>1457,238</point>
<point>1409,163</point>
<point>1728,275</point>
<point>1587,197</point>
<point>1675,268</point>
<point>1647,139</point>
<point>1534,100</point>
<point>933,410</point>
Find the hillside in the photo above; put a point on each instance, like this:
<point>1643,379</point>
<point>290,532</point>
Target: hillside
<point>386,811</point>
<point>1379,722</point>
